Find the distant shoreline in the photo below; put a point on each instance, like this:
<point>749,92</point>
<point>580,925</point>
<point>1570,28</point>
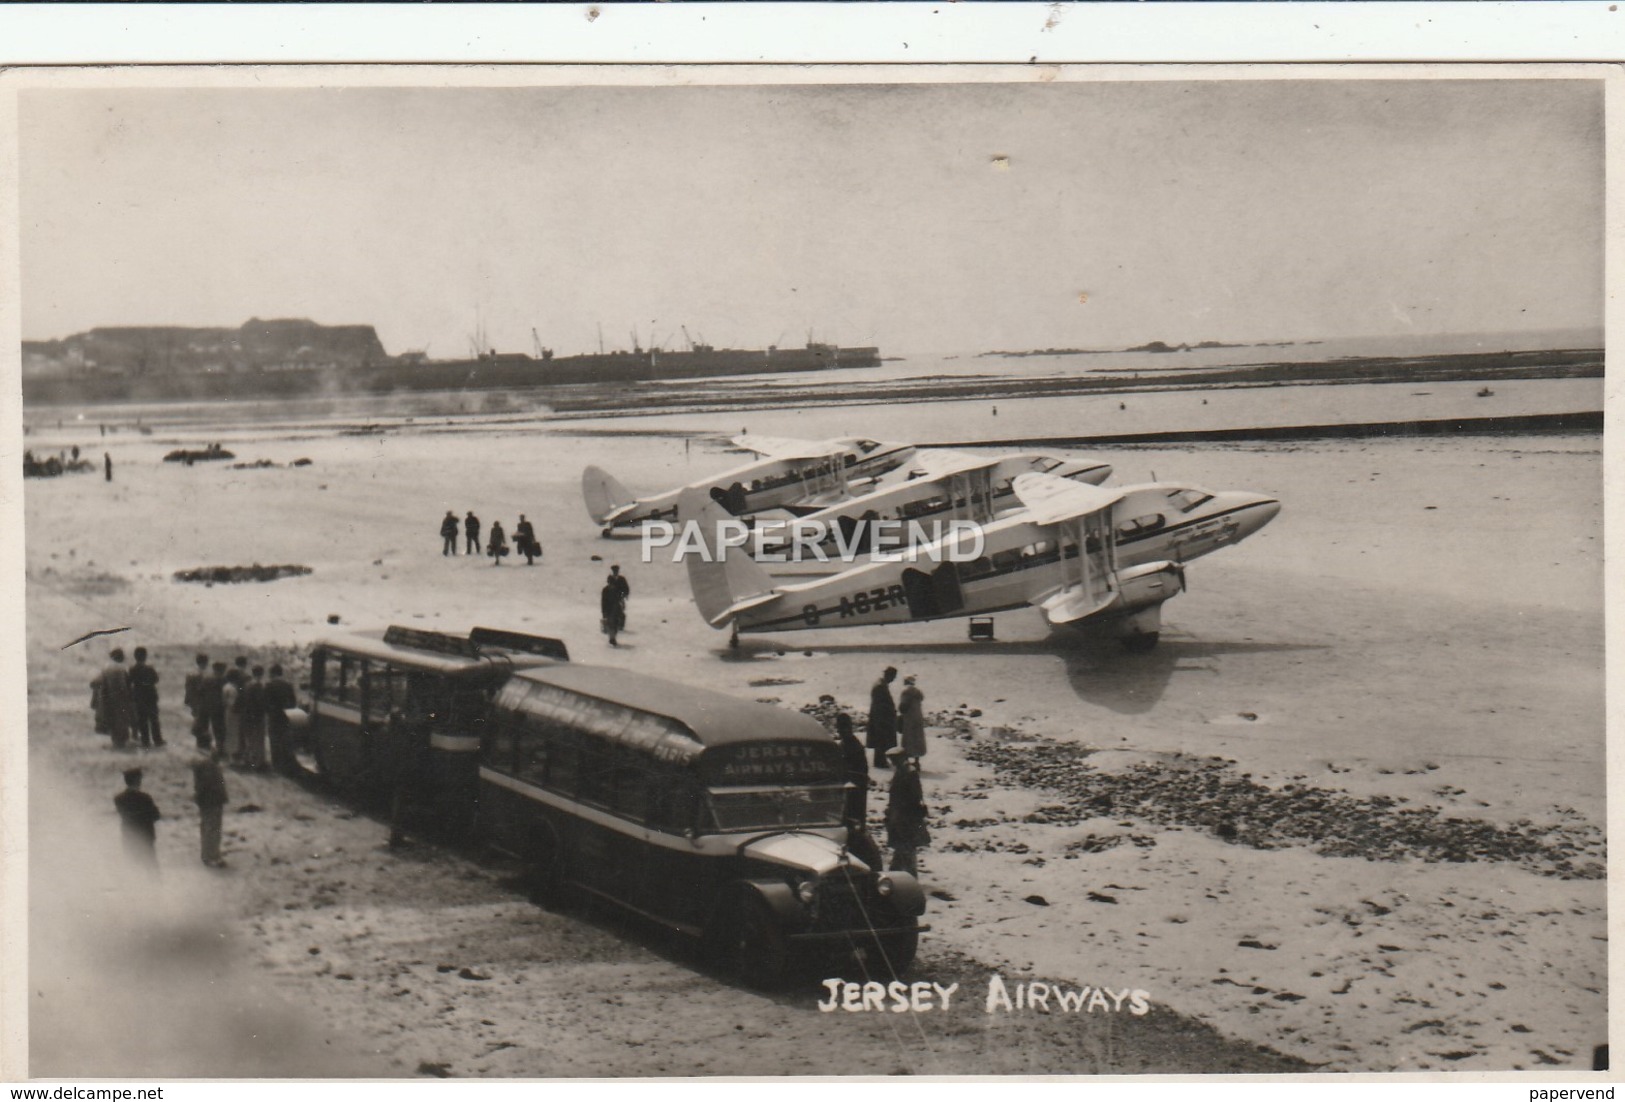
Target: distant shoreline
<point>1409,370</point>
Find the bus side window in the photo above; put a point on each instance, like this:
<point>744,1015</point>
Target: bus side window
<point>674,800</point>
<point>596,779</point>
<point>380,700</point>
<point>630,776</point>
<point>530,751</point>
<point>318,670</point>
<point>564,763</point>
<point>341,685</point>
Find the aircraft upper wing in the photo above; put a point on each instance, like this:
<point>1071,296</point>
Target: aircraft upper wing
<point>1051,500</point>
<point>787,447</point>
<point>942,462</point>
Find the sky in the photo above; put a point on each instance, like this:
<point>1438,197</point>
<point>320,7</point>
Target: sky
<point>922,218</point>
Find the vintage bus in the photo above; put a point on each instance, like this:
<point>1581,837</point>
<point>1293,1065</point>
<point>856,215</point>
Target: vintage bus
<point>712,816</point>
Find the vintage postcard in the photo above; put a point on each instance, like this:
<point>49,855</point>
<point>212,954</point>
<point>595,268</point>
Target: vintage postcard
<point>760,571</point>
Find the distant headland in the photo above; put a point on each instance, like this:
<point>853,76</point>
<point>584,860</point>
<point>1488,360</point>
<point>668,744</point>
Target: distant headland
<point>1152,346</point>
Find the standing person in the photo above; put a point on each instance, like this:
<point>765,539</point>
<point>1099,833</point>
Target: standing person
<point>610,610</point>
<point>107,465</point>
<point>498,547</point>
<point>137,818</point>
<point>524,541</point>
<point>194,697</point>
<point>213,692</point>
<point>448,534</point>
<point>471,528</point>
<point>857,770</point>
<point>624,587</point>
<point>144,695</point>
<point>231,699</point>
<point>251,702</point>
<point>882,734</point>
<point>117,705</point>
<point>279,697</point>
<point>906,813</point>
<point>911,713</point>
<point>209,793</point>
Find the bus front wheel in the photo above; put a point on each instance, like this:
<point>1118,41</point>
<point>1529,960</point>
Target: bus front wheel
<point>897,951</point>
<point>761,952</point>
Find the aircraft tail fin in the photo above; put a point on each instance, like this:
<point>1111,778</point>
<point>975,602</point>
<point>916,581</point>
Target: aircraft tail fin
<point>725,580</point>
<point>603,494</point>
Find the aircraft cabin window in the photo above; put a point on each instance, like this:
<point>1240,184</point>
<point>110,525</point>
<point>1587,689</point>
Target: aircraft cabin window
<point>1186,500</point>
<point>1140,525</point>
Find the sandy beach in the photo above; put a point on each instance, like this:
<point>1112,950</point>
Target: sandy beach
<point>1409,659</point>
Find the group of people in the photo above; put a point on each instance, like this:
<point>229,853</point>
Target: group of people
<point>524,538</point>
<point>125,702</point>
<point>138,812</point>
<point>906,813</point>
<point>235,711</point>
<point>238,711</point>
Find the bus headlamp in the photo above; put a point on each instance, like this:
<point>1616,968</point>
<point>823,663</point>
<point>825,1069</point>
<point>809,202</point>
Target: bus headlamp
<point>883,886</point>
<point>806,890</point>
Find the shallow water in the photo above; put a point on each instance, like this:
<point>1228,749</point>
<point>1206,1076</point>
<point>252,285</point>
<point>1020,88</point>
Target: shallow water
<point>1073,416</point>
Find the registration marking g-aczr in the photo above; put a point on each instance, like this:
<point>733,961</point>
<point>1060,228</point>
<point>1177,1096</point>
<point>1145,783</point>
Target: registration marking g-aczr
<point>872,600</point>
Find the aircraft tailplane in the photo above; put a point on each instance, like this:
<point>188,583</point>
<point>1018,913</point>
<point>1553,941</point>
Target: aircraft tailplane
<point>603,494</point>
<point>723,585</point>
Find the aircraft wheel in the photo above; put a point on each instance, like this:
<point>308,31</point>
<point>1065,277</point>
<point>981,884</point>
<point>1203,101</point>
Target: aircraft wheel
<point>1141,643</point>
<point>605,533</point>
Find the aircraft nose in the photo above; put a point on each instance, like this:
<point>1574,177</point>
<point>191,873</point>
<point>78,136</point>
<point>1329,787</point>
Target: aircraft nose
<point>1256,510</point>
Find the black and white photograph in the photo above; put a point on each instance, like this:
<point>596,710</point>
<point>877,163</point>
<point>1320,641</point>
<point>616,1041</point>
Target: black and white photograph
<point>609,572</point>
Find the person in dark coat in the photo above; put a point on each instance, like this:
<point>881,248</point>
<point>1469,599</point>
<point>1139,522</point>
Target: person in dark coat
<point>107,465</point>
<point>209,793</point>
<point>911,718</point>
<point>857,770</point>
<point>610,610</point>
<point>471,528</point>
<point>213,694</point>
<point>882,734</point>
<point>251,705</point>
<point>524,541</point>
<point>624,587</point>
<point>116,706</point>
<point>194,697</point>
<point>498,547</point>
<point>448,534</point>
<point>906,813</point>
<point>144,695</point>
<point>138,817</point>
<point>279,697</point>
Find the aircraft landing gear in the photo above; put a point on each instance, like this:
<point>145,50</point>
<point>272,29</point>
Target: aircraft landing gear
<point>733,639</point>
<point>606,533</point>
<point>1138,633</point>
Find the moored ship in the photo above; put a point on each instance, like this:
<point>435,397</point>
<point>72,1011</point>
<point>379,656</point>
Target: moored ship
<point>159,363</point>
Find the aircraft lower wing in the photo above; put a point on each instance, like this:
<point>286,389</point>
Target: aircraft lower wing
<point>1074,603</point>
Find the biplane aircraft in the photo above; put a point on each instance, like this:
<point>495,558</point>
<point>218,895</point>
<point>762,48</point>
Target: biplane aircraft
<point>795,475</point>
<point>1078,553</point>
<point>943,485</point>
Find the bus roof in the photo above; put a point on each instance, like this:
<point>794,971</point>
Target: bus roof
<point>372,644</point>
<point>712,718</point>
